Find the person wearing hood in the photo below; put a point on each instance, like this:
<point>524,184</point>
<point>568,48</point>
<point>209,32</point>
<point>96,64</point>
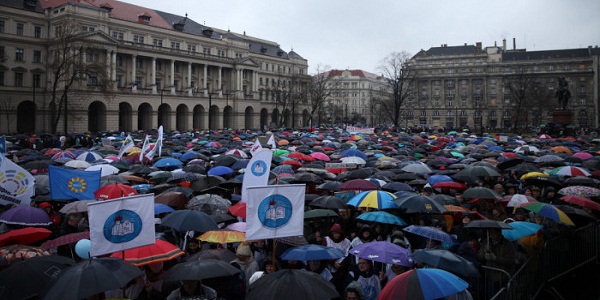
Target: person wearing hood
<point>354,291</point>
<point>336,239</point>
<point>246,261</point>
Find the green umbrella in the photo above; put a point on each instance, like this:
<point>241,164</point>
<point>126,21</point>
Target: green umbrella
<point>280,152</point>
<point>319,213</point>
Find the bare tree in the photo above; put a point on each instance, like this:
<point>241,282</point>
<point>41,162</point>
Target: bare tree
<point>320,91</point>
<point>527,96</point>
<point>399,77</point>
<point>70,66</point>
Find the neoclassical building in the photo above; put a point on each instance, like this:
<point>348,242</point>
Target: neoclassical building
<point>150,68</point>
<point>468,85</point>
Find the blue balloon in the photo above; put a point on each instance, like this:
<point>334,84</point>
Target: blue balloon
<point>82,248</point>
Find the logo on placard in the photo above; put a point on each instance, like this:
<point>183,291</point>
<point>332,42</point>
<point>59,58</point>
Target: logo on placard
<point>122,226</point>
<point>77,185</point>
<point>259,168</point>
<point>14,182</point>
<point>275,211</point>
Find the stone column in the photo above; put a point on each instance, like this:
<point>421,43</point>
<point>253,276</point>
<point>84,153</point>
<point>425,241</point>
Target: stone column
<point>133,73</point>
<point>154,88</point>
<point>205,84</point>
<point>189,78</point>
<point>172,80</point>
<point>219,82</point>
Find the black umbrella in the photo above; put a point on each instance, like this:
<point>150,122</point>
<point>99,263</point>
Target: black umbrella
<point>209,203</point>
<point>488,224</point>
<point>220,254</point>
<point>418,203</point>
<point>29,278</point>
<point>509,163</point>
<point>444,199</point>
<point>328,202</point>
<point>524,168</point>
<point>478,171</point>
<point>480,192</point>
<point>329,186</point>
<point>226,160</point>
<point>91,277</point>
<point>200,269</point>
<point>205,182</point>
<point>306,177</point>
<point>397,187</point>
<point>189,220</point>
<point>446,260</point>
<point>291,285</point>
<point>582,180</point>
<point>552,181</point>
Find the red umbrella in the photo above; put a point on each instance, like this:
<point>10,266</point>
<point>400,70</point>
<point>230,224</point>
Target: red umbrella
<point>358,185</point>
<point>157,252</point>
<point>451,185</point>
<point>300,156</point>
<point>581,201</point>
<point>291,162</point>
<point>112,191</point>
<point>238,209</point>
<point>66,239</point>
<point>24,236</point>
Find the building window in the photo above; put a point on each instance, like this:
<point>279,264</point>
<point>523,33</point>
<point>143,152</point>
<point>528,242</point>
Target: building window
<point>20,27</point>
<point>18,79</point>
<point>1,26</point>
<point>92,78</point>
<point>37,56</point>
<point>118,80</point>
<point>119,60</point>
<point>550,68</point>
<point>221,53</point>
<point>175,45</point>
<point>88,29</point>
<point>158,65</point>
<point>138,39</point>
<point>139,63</point>
<point>582,89</point>
<point>19,54</point>
<point>1,78</point>
<point>581,101</point>
<point>138,81</point>
<point>191,48</point>
<point>37,32</point>
<point>238,55</point>
<point>157,42</point>
<point>206,51</point>
<point>176,65</point>
<point>118,35</point>
<point>92,56</point>
<point>566,67</point>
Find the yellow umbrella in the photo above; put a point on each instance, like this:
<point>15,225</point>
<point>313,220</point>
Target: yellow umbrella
<point>534,174</point>
<point>133,150</point>
<point>222,236</point>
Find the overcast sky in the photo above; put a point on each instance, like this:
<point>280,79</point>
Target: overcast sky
<point>355,34</point>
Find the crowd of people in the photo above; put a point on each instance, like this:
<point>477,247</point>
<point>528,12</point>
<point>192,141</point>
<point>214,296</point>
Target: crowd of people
<point>385,156</point>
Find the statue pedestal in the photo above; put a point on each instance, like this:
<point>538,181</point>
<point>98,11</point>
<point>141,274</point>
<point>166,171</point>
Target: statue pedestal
<point>562,117</point>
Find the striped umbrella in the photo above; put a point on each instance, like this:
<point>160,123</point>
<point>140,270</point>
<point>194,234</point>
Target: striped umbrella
<point>427,283</point>
<point>570,171</point>
<point>374,199</point>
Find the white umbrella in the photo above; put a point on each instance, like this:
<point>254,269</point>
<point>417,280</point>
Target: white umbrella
<point>353,159</point>
<point>78,164</point>
<point>106,169</point>
<point>417,168</point>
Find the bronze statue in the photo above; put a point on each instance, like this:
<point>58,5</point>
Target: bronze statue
<point>563,93</point>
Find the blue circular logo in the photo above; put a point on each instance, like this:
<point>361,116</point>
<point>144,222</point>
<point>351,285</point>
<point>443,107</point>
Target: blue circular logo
<point>259,168</point>
<point>122,226</point>
<point>275,211</point>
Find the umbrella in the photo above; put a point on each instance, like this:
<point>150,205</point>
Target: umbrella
<point>418,203</point>
<point>78,164</point>
<point>27,279</point>
<point>167,163</point>
<point>438,179</point>
<point>549,211</point>
<point>206,182</point>
<point>186,219</point>
<point>89,156</point>
<point>329,186</point>
<point>446,260</point>
<point>332,202</point>
<point>24,236</point>
<point>520,229</point>
<point>418,168</point>
<point>319,213</point>
<point>92,276</point>
<point>177,177</point>
<point>312,252</point>
<point>13,253</point>
<point>383,251</point>
<point>373,199</point>
<point>105,170</point>
<point>237,226</point>
<point>381,217</point>
<point>199,270</point>
<point>160,208</point>
<point>517,199</point>
<point>526,149</point>
<point>238,209</point>
<point>237,152</point>
<point>26,215</point>
<point>291,285</point>
<point>575,190</point>
<point>423,284</point>
<point>157,252</point>
<point>549,159</point>
<point>477,171</point>
<point>480,192</point>
<point>113,191</point>
<point>430,232</point>
<point>320,156</point>
<point>209,203</point>
<point>570,171</point>
<point>450,185</point>
<point>581,201</point>
<point>397,187</point>
<point>176,200</point>
<point>219,254</point>
<point>358,185</point>
<point>220,171</point>
<point>488,224</point>
<point>222,236</point>
<point>65,240</point>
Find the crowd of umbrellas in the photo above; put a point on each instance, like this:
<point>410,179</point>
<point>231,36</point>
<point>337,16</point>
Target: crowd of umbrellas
<point>197,181</point>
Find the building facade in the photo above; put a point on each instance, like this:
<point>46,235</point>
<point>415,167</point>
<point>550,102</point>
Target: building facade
<point>354,97</point>
<point>496,88</point>
<point>134,68</point>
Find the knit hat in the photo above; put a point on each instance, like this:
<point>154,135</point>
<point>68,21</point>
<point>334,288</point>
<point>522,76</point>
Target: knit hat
<point>336,228</point>
<point>244,249</point>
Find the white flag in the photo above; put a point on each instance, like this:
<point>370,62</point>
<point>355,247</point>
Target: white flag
<point>272,142</point>
<point>121,224</point>
<point>257,171</point>
<point>275,211</point>
<point>127,144</point>
<point>159,140</point>
<point>144,148</point>
<point>17,186</point>
<point>256,147</point>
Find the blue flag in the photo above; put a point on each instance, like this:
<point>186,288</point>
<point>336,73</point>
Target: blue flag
<point>2,144</point>
<point>73,184</point>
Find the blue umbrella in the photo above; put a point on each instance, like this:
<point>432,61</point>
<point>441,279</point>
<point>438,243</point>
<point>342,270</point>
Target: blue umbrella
<point>283,169</point>
<point>143,188</point>
<point>353,152</point>
<point>220,171</point>
<point>520,229</point>
<point>397,187</point>
<point>374,199</point>
<point>189,155</point>
<point>312,252</point>
<point>382,217</point>
<point>384,252</point>
<point>439,178</point>
<point>240,164</point>
<point>160,208</point>
<point>430,232</point>
<point>168,163</point>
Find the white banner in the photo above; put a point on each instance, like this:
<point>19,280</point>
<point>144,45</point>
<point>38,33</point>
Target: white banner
<point>17,186</point>
<point>121,224</point>
<point>275,211</point>
<point>256,147</point>
<point>257,171</point>
<point>360,129</point>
